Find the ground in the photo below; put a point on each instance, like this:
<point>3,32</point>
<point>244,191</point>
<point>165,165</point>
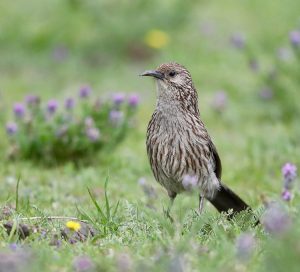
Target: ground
<point>50,49</point>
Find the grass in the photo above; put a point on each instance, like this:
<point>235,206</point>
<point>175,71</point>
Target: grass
<point>252,139</point>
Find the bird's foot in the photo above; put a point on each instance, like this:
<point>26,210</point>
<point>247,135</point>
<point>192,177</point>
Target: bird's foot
<point>201,205</point>
<point>168,215</point>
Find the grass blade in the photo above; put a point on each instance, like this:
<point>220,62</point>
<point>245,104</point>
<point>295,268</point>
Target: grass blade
<point>116,209</point>
<point>84,215</point>
<point>17,194</point>
<point>97,205</point>
<point>107,200</point>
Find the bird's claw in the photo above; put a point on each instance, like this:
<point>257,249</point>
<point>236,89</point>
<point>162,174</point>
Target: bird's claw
<point>167,214</point>
<point>201,205</point>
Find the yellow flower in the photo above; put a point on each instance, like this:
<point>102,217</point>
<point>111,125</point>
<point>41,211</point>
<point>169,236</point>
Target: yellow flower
<point>72,225</point>
<point>156,38</point>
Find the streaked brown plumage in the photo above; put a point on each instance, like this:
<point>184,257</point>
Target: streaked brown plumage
<point>178,144</point>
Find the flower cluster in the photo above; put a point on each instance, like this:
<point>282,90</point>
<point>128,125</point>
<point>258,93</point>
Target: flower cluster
<point>238,40</point>
<point>83,263</point>
<point>295,38</point>
<point>245,245</point>
<point>289,174</point>
<point>275,219</point>
<point>272,81</point>
<point>70,130</point>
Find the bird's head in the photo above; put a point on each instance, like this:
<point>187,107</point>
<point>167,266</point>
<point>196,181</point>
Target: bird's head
<point>174,84</point>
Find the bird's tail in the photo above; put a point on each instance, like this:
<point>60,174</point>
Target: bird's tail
<point>225,199</point>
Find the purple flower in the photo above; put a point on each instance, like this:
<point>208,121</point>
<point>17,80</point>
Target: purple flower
<point>43,234</point>
<point>245,245</point>
<point>220,101</point>
<point>295,38</point>
<point>89,122</point>
<point>83,263</point>
<point>238,40</point>
<point>142,181</point>
<point>16,261</point>
<point>275,219</point>
<point>13,246</point>
<point>286,195</point>
<point>133,100</point>
<point>58,243</point>
<point>124,262</point>
<point>116,117</point>
<point>69,103</point>
<point>52,106</point>
<point>189,182</point>
<point>93,134</point>
<point>85,91</point>
<point>11,128</point>
<point>32,100</point>
<point>118,98</point>
<point>72,241</point>
<point>254,65</point>
<point>19,110</point>
<point>55,241</point>
<point>266,93</point>
<point>289,171</point>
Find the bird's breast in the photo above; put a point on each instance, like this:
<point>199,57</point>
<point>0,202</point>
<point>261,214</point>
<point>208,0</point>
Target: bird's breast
<point>176,149</point>
<point>168,149</point>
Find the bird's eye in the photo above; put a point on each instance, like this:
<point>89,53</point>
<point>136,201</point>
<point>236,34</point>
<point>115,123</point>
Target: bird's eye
<point>172,73</point>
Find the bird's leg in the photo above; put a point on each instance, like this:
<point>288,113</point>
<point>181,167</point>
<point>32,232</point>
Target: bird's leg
<point>201,203</point>
<point>172,196</point>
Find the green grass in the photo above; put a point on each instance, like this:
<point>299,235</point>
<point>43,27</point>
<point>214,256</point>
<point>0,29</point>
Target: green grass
<point>252,138</point>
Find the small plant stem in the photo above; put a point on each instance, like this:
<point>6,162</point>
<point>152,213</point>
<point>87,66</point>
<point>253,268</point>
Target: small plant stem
<point>53,218</point>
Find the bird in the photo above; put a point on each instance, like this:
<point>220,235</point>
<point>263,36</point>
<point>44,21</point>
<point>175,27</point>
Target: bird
<point>179,147</point>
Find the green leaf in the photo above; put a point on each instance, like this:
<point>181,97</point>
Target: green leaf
<point>100,212</point>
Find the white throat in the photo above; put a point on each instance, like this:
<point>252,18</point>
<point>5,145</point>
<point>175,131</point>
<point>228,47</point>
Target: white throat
<point>166,104</point>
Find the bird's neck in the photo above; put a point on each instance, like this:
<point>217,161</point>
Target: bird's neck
<point>172,105</point>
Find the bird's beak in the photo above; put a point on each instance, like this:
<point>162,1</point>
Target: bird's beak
<point>154,73</point>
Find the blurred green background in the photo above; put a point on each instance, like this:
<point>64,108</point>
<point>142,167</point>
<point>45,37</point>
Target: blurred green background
<point>50,48</point>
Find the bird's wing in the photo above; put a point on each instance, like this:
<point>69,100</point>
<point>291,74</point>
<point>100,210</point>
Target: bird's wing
<point>212,149</point>
<point>218,164</point>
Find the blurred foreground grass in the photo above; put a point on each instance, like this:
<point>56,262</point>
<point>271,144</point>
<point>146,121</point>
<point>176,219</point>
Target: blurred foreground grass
<point>50,48</point>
